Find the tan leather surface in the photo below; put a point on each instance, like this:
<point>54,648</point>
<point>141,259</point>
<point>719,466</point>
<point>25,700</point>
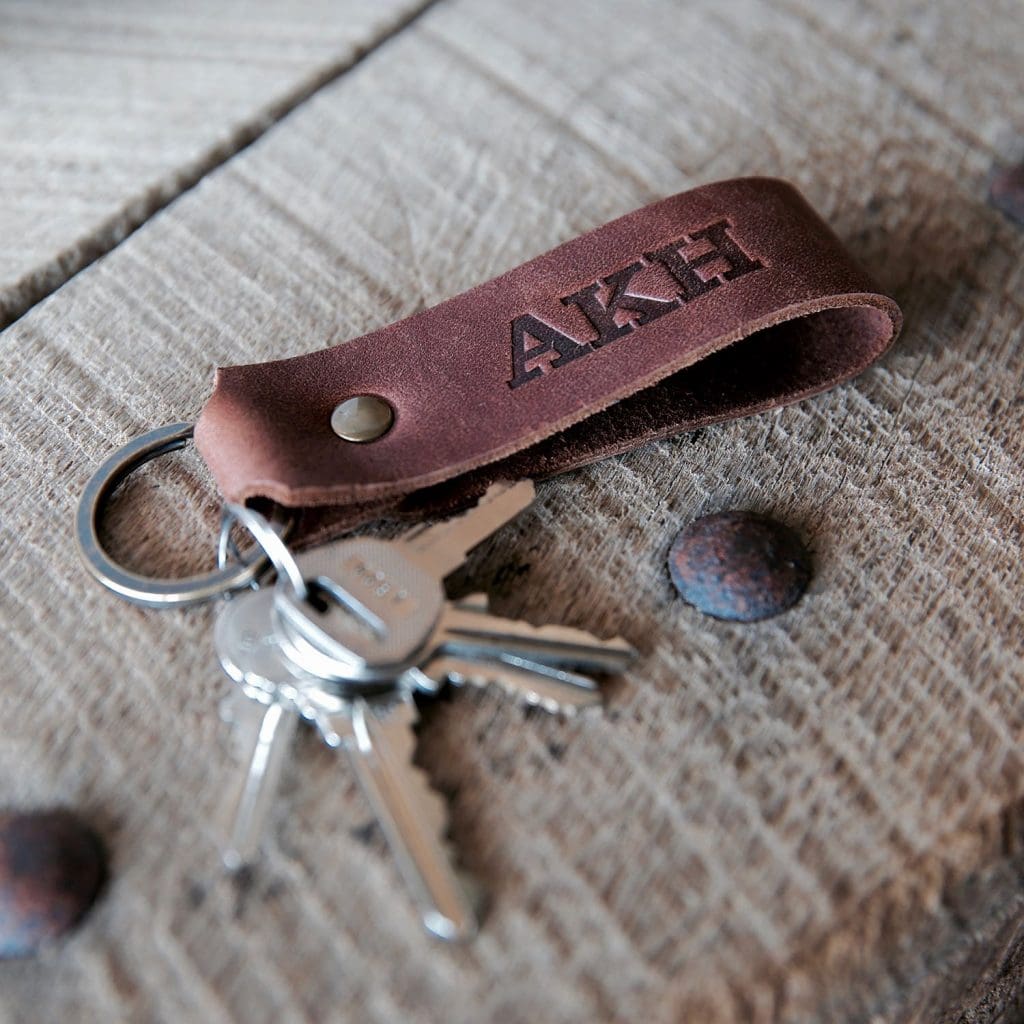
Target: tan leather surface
<point>716,303</point>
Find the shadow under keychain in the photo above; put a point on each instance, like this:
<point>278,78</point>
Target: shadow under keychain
<point>717,303</point>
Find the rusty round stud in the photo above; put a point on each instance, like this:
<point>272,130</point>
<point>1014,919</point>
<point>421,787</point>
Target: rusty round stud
<point>739,566</point>
<point>52,866</point>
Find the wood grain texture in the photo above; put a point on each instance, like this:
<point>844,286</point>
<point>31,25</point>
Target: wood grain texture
<point>107,111</point>
<point>810,819</point>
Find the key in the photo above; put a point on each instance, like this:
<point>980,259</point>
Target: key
<point>327,640</point>
<point>534,684</point>
<point>266,738</point>
<point>442,547</point>
<point>398,583</point>
<point>471,633</point>
<point>264,715</point>
<point>377,734</point>
<point>529,662</point>
<point>379,628</point>
<point>378,737</point>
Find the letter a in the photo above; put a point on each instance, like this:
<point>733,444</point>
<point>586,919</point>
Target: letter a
<point>550,340</point>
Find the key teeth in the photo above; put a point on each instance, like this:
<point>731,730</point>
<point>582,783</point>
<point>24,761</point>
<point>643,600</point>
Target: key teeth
<point>527,698</point>
<point>553,707</point>
<point>434,807</point>
<point>403,714</point>
<point>467,623</point>
<point>440,819</point>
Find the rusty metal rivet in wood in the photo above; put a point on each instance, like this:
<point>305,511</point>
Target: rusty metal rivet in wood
<point>739,566</point>
<point>362,418</point>
<point>52,866</point>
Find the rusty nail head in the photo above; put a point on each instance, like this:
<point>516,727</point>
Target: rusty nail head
<point>739,566</point>
<point>52,866</point>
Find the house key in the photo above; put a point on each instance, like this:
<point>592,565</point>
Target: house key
<point>376,732</point>
<point>374,627</point>
<point>263,713</point>
<point>400,582</point>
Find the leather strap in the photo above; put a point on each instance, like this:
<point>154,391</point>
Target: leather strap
<point>716,303</point>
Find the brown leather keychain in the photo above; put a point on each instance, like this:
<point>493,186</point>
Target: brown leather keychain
<point>717,303</point>
<point>709,305</point>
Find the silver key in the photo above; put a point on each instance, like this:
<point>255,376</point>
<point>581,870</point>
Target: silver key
<point>265,735</point>
<point>532,663</point>
<point>376,733</point>
<point>472,633</point>
<point>328,640</point>
<point>397,585</point>
<point>552,689</point>
<point>442,547</point>
<point>263,715</point>
<point>400,581</point>
<point>378,628</point>
<point>378,736</point>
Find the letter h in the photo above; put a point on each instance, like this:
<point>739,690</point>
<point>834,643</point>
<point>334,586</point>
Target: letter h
<point>723,246</point>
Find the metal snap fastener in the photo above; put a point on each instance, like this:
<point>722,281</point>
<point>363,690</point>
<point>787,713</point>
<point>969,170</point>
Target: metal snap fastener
<point>362,418</point>
<point>739,566</point>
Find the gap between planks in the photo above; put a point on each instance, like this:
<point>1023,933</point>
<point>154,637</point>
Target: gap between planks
<point>113,231</point>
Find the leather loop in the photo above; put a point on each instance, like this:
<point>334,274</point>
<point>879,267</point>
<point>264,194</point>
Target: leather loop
<point>716,303</point>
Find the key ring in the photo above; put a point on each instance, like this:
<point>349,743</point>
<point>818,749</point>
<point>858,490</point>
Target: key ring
<point>153,592</point>
<point>271,542</point>
<point>288,570</point>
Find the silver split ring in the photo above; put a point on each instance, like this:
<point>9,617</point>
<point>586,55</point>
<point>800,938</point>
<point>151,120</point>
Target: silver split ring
<point>268,538</point>
<point>146,590</point>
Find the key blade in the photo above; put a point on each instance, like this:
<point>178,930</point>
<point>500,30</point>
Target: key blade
<point>552,689</point>
<point>266,730</point>
<point>262,714</point>
<point>476,635</point>
<point>412,816</point>
<point>443,547</point>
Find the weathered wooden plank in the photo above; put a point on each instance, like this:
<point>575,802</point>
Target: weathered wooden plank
<point>809,819</point>
<point>109,111</point>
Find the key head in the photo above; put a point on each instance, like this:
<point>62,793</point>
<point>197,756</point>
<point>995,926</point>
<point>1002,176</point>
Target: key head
<point>371,612</point>
<point>249,649</point>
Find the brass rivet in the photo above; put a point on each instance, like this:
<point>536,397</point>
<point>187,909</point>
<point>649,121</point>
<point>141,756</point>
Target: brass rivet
<point>362,418</point>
